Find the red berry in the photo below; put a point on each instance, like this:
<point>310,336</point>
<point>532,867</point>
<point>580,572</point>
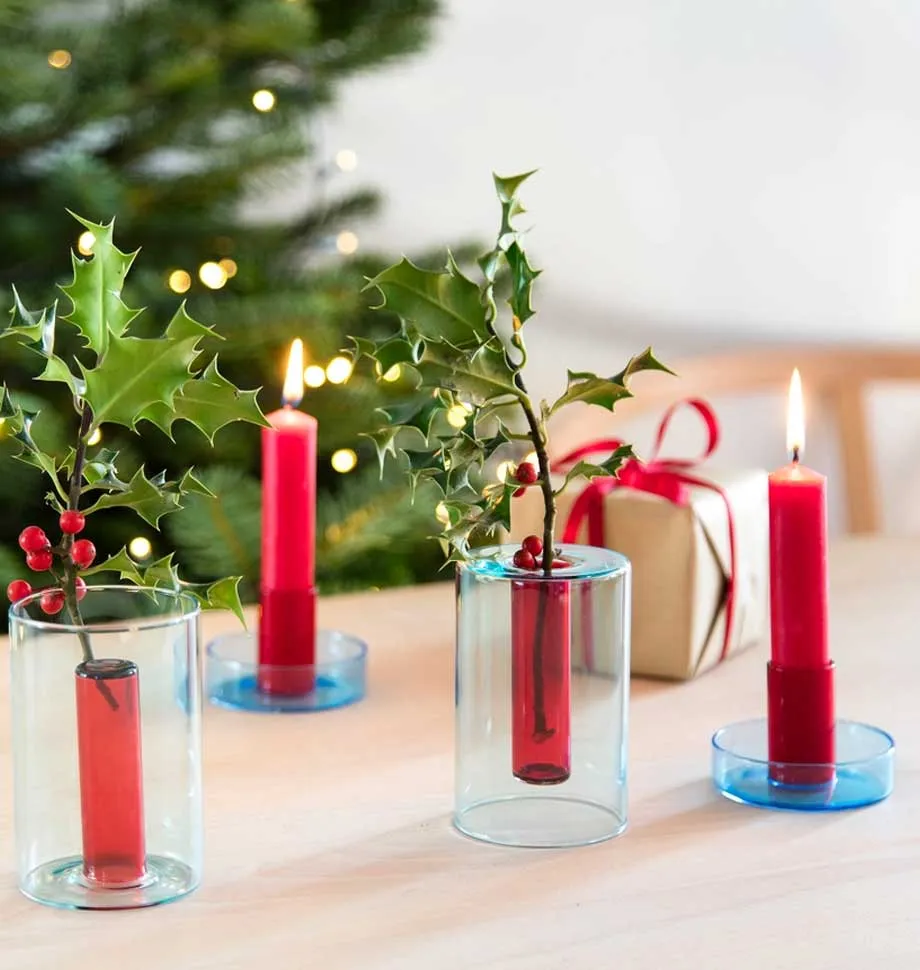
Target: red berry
<point>526,473</point>
<point>524,560</point>
<point>33,539</point>
<point>39,561</point>
<point>83,553</point>
<point>81,587</point>
<point>533,544</point>
<point>18,590</point>
<point>72,522</point>
<point>518,492</point>
<point>52,601</point>
<point>560,563</point>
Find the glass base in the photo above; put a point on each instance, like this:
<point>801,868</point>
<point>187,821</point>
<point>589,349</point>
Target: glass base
<point>61,883</point>
<point>862,775</point>
<point>543,822</point>
<point>338,678</point>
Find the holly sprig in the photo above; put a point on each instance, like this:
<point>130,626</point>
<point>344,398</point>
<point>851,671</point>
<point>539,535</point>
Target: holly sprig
<point>453,338</point>
<point>116,377</point>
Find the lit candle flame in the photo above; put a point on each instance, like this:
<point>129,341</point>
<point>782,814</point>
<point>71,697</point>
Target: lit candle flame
<point>795,417</point>
<point>292,393</point>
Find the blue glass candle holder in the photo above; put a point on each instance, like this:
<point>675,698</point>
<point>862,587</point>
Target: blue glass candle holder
<point>336,679</point>
<point>862,774</point>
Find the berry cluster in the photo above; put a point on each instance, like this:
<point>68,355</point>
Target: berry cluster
<point>40,555</point>
<point>528,556</point>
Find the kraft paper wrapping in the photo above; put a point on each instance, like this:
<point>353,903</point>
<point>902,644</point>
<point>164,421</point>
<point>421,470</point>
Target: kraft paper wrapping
<point>680,560</point>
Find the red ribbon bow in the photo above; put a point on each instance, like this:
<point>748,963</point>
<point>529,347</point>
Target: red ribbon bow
<point>667,477</point>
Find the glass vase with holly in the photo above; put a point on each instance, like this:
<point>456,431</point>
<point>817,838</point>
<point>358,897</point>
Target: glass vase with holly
<point>542,647</point>
<point>105,690</point>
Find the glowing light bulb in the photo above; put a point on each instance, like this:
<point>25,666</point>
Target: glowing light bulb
<point>263,100</point>
<point>229,267</point>
<point>503,470</point>
<point>457,415</point>
<point>60,59</point>
<point>140,547</point>
<point>346,243</point>
<point>314,376</point>
<point>95,437</point>
<point>346,160</point>
<point>344,460</point>
<point>338,370</point>
<point>213,275</point>
<point>179,281</point>
<point>86,242</point>
<point>442,514</point>
<point>393,374</point>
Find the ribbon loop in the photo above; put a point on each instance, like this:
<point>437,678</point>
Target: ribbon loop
<point>668,478</point>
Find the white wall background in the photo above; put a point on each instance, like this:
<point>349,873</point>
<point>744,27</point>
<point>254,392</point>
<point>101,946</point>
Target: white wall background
<point>713,173</point>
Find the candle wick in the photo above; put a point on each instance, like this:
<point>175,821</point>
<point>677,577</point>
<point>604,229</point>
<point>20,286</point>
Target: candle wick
<point>795,455</point>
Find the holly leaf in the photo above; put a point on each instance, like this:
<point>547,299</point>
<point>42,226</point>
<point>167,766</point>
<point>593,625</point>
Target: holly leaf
<point>31,326</point>
<point>98,311</point>
<point>522,278</point>
<point>162,572</point>
<point>120,563</point>
<point>221,595</point>
<point>99,471</point>
<point>190,485</point>
<point>605,392</point>
<point>135,374</point>
<point>150,499</point>
<point>209,402</point>
<point>479,377</point>
<point>57,370</point>
<point>644,361</point>
<point>441,306</point>
<point>396,439</point>
<point>182,326</point>
<point>604,469</point>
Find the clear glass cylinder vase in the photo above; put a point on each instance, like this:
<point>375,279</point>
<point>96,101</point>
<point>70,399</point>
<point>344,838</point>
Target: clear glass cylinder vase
<point>107,749</point>
<point>542,692</point>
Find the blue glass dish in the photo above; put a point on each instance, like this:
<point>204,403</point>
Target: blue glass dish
<point>339,675</point>
<point>862,775</point>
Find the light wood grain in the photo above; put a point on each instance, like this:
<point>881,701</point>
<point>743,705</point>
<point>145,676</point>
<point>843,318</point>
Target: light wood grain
<point>839,375</point>
<point>329,844</point>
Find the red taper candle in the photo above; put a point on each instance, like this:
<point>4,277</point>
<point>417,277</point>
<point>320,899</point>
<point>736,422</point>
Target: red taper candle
<point>287,626</point>
<point>800,674</point>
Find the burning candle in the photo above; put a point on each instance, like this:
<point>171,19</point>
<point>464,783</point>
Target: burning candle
<point>287,628</point>
<point>800,674</point>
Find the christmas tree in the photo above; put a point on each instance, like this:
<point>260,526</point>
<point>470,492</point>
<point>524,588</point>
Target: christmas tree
<point>169,115</point>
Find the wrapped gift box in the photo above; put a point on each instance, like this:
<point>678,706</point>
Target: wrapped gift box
<point>680,552</point>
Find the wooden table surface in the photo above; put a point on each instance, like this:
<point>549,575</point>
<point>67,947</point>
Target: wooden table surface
<point>329,845</point>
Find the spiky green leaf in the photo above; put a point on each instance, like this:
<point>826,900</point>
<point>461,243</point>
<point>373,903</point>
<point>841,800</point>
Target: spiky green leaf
<point>607,468</point>
<point>98,311</point>
<point>209,402</point>
<point>120,563</point>
<point>150,499</point>
<point>221,595</point>
<point>441,306</point>
<point>135,374</point>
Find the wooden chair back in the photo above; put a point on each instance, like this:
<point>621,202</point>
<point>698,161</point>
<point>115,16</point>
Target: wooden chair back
<point>838,375</point>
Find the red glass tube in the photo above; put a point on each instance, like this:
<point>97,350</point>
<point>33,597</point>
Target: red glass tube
<point>541,681</point>
<point>111,777</point>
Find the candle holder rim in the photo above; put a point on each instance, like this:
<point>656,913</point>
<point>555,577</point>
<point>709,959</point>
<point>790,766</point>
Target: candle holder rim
<point>191,609</point>
<point>357,654</point>
<point>885,751</point>
<point>591,562</point>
